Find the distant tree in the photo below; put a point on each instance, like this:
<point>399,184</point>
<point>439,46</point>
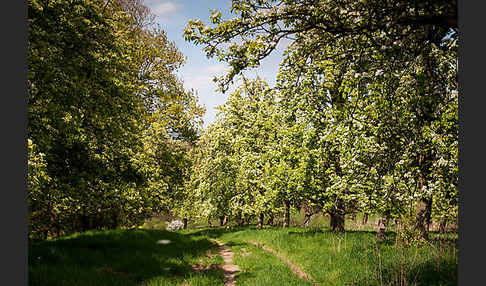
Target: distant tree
<point>360,67</point>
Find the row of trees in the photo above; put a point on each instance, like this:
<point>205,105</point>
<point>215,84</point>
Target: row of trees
<point>363,117</point>
<point>109,120</point>
<point>266,154</point>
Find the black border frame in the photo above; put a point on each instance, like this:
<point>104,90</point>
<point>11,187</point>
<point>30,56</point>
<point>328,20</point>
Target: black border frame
<point>13,212</point>
<point>14,121</point>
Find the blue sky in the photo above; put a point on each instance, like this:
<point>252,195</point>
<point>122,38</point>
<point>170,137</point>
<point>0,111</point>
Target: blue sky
<point>198,72</point>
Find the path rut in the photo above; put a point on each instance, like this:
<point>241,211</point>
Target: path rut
<point>299,272</point>
<point>228,267</point>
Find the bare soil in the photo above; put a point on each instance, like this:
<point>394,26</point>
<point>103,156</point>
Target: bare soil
<point>228,267</point>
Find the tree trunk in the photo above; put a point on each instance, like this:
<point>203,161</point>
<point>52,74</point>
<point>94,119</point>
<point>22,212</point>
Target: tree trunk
<point>388,219</point>
<point>270,219</point>
<point>365,218</point>
<point>184,221</point>
<point>286,222</point>
<point>221,220</point>
<point>90,222</point>
<point>84,223</point>
<point>423,213</point>
<point>442,226</point>
<point>225,220</point>
<point>337,217</point>
<point>114,219</point>
<point>337,222</point>
<point>209,223</point>
<point>306,220</point>
<point>260,221</point>
<point>424,205</point>
<point>382,228</point>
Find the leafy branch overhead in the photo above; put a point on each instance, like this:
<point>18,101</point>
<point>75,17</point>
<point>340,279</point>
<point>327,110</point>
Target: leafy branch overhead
<point>395,29</point>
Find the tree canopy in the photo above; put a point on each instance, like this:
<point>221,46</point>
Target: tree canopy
<point>363,116</point>
<point>101,79</point>
<point>370,82</point>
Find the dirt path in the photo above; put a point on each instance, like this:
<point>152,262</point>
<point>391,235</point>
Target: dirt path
<point>299,272</point>
<point>229,268</point>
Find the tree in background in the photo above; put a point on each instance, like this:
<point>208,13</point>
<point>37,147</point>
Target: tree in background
<point>395,60</point>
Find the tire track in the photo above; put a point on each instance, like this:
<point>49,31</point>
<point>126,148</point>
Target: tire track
<point>299,272</point>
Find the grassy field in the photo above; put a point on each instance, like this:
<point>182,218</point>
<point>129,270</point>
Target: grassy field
<point>159,257</point>
<point>124,257</point>
<point>353,258</point>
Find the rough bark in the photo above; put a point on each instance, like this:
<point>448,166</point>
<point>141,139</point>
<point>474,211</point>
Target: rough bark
<point>381,228</point>
<point>442,226</point>
<point>260,221</point>
<point>286,222</point>
<point>306,219</point>
<point>270,219</point>
<point>337,222</point>
<point>423,213</point>
<point>424,205</point>
<point>225,220</point>
<point>365,218</point>
<point>337,216</point>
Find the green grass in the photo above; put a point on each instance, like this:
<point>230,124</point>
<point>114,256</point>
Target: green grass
<point>352,258</point>
<point>259,267</point>
<point>133,257</point>
<point>123,257</point>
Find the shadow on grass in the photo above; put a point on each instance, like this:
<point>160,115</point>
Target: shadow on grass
<point>118,257</point>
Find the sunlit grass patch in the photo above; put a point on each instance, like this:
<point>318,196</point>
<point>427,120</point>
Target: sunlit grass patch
<point>355,257</point>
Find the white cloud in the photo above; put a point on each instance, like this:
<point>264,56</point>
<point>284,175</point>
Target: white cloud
<point>215,69</point>
<point>166,8</point>
<point>202,79</point>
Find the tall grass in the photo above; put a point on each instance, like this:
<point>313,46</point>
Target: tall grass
<point>159,257</point>
<point>356,257</point>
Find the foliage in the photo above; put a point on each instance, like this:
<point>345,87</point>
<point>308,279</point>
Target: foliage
<point>393,29</point>
<point>101,81</point>
<point>374,86</point>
